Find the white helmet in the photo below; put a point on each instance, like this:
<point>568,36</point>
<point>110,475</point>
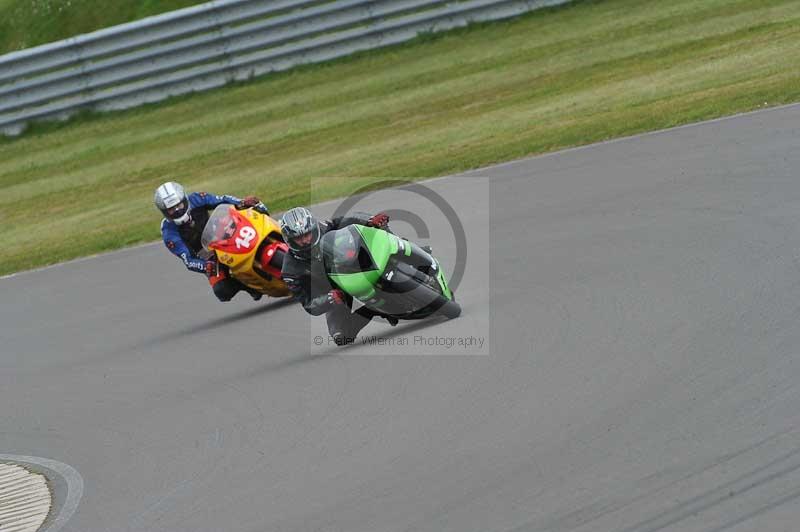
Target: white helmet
<point>171,200</point>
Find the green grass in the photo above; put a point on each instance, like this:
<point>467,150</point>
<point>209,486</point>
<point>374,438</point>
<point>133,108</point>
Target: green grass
<point>26,23</point>
<point>489,93</point>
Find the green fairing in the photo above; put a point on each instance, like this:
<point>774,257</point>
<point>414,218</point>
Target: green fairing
<point>381,245</point>
<point>443,283</point>
<point>358,285</point>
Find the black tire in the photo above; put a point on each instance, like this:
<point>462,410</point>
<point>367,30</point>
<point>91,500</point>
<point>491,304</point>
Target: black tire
<point>451,310</point>
<point>429,298</point>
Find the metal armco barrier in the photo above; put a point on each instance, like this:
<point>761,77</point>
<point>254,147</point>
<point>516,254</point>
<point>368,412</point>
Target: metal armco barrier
<point>215,43</point>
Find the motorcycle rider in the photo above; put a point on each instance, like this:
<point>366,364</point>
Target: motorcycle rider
<point>185,216</point>
<point>304,274</point>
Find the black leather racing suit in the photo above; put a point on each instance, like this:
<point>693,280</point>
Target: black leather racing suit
<point>305,277</point>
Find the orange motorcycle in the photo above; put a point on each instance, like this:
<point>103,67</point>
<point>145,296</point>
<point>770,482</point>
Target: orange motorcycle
<point>250,244</point>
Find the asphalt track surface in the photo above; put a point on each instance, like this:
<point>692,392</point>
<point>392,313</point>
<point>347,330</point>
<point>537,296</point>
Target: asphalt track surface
<point>641,304</point>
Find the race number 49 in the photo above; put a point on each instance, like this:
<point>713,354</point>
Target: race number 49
<point>246,236</point>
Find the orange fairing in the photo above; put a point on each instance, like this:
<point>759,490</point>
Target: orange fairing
<point>241,241</point>
<point>234,234</point>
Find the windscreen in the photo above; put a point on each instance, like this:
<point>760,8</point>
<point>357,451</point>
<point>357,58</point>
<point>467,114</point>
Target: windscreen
<point>344,252</point>
<point>220,226</point>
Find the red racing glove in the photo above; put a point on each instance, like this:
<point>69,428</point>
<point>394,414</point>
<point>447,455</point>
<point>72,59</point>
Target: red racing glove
<point>249,202</point>
<point>212,268</point>
<point>336,297</point>
<point>380,220</point>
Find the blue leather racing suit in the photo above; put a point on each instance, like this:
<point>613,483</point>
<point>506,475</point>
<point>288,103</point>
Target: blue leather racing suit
<point>184,242</point>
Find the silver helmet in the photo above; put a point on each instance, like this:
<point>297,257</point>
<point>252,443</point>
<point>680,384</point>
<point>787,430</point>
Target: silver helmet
<point>171,200</point>
<point>300,229</point>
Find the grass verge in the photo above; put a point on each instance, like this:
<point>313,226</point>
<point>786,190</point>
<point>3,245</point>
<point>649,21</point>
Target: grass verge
<point>27,23</point>
<point>561,77</point>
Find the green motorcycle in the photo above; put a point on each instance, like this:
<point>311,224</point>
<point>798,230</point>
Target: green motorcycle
<point>387,274</point>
